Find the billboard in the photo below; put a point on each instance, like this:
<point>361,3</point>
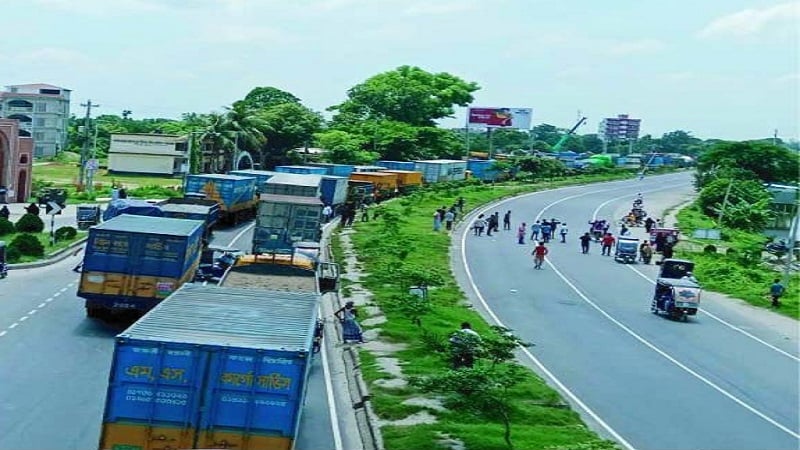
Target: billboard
<point>519,118</point>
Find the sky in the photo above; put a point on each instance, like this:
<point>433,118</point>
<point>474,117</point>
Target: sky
<point>724,69</point>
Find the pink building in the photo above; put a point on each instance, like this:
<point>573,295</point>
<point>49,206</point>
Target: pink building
<point>16,162</point>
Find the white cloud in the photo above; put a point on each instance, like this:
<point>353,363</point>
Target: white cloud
<point>244,34</point>
<point>637,47</point>
<point>788,78</point>
<point>105,7</point>
<point>53,56</point>
<point>752,21</point>
<point>439,7</point>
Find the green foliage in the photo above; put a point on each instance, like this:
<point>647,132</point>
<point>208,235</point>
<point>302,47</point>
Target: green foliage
<point>748,205</point>
<point>499,345</point>
<point>264,97</point>
<point>6,226</point>
<point>13,255</point>
<point>710,248</point>
<point>29,223</point>
<point>769,163</point>
<point>412,306</point>
<point>344,147</point>
<point>65,233</point>
<point>27,244</point>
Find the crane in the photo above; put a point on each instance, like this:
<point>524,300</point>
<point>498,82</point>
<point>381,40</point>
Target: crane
<point>564,138</point>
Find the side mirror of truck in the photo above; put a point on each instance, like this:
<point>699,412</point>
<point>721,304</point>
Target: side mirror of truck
<point>328,276</point>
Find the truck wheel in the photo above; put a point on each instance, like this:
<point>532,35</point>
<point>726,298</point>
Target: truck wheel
<point>94,313</point>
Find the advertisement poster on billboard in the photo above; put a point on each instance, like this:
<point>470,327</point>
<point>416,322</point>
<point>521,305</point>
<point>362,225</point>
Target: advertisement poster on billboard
<point>519,118</point>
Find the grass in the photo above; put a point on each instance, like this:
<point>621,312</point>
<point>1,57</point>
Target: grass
<point>540,418</point>
<point>66,174</point>
<point>734,272</point>
<point>44,238</point>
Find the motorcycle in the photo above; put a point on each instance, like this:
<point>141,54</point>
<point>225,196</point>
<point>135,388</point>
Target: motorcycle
<point>3,265</point>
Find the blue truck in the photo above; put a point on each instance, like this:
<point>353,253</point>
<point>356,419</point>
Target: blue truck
<point>261,176</point>
<point>131,262</point>
<point>130,206</point>
<point>204,210</point>
<point>240,383</point>
<point>236,195</point>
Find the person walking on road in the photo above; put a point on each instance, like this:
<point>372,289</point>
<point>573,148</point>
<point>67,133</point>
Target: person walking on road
<point>479,225</point>
<point>535,229</point>
<point>521,233</point>
<point>4,212</point>
<point>645,252</point>
<point>776,291</point>
<point>648,224</point>
<point>449,216</point>
<point>585,240</point>
<point>351,330</point>
<point>437,221</point>
<point>563,230</point>
<point>490,224</point>
<point>539,253</point>
<point>546,229</point>
<point>507,220</point>
<point>608,242</point>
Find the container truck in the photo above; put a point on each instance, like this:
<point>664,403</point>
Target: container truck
<point>130,206</point>
<point>261,177</point>
<point>306,170</point>
<point>396,165</point>
<point>304,185</point>
<point>333,190</point>
<point>337,170</point>
<point>437,170</point>
<point>283,220</point>
<point>212,367</point>
<point>204,210</point>
<point>385,183</point>
<point>131,263</point>
<point>407,180</point>
<point>236,195</point>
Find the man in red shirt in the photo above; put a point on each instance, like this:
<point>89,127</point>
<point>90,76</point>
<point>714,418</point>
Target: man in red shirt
<point>608,241</point>
<point>538,255</point>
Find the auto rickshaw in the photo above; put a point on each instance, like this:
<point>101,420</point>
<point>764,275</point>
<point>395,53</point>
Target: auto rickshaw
<point>661,236</point>
<point>627,250</point>
<point>677,293</point>
<point>88,215</point>
<point>211,268</point>
<point>3,265</point>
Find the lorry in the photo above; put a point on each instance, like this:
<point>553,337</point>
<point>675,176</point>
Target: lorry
<point>131,263</point>
<point>212,367</point>
<point>285,219</point>
<point>130,206</point>
<point>205,210</point>
<point>236,195</point>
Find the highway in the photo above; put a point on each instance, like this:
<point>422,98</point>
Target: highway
<point>54,363</point>
<point>723,380</point>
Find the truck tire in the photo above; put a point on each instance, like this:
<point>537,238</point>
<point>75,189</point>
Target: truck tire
<point>95,313</point>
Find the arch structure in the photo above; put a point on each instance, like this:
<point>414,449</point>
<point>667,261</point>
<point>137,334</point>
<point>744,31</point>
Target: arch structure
<point>16,162</point>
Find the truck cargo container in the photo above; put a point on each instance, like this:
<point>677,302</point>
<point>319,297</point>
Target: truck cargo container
<point>307,170</point>
<point>133,207</point>
<point>193,209</point>
<point>212,367</point>
<point>406,179</point>
<point>261,177</point>
<point>299,271</point>
<point>131,263</point>
<point>303,185</point>
<point>359,192</point>
<point>333,190</point>
<point>368,168</point>
<point>483,169</point>
<point>336,170</point>
<point>385,183</point>
<point>438,170</point>
<point>396,165</point>
<point>236,195</point>
<point>283,220</point>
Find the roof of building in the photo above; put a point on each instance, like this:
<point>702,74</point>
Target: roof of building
<point>38,86</point>
<point>27,94</point>
<point>151,135</point>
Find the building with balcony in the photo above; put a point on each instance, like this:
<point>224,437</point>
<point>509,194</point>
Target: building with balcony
<point>159,154</point>
<point>16,162</point>
<point>43,114</point>
<point>620,128</point>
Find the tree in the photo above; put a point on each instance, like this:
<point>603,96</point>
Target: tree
<point>747,206</point>
<point>592,143</point>
<point>677,141</point>
<point>547,133</point>
<point>286,126</point>
<point>344,147</point>
<point>266,97</point>
<point>769,163</point>
<point>407,94</point>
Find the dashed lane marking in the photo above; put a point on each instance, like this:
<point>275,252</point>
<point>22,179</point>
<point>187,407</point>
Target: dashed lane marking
<point>23,318</point>
<point>3,333</point>
<point>42,305</point>
<point>13,325</point>
<point>32,312</point>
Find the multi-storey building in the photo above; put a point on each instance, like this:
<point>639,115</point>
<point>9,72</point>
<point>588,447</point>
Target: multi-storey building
<point>15,163</point>
<point>620,128</point>
<point>43,114</point>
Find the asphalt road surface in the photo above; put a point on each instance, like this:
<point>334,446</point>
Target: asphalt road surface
<point>722,380</point>
<point>54,363</point>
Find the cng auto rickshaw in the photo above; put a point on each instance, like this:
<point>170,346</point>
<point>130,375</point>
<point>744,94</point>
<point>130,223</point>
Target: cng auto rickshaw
<point>677,292</point>
<point>88,215</point>
<point>627,250</point>
<point>3,265</point>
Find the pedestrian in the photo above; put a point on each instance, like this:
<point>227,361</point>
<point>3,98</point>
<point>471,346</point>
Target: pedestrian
<point>479,225</point>
<point>464,346</point>
<point>563,232</point>
<point>497,221</point>
<point>441,211</point>
<point>667,252</point>
<point>521,233</point>
<point>122,193</point>
<point>460,204</point>
<point>4,212</point>
<point>607,242</point>
<point>33,208</point>
<point>660,241</point>
<point>585,239</point>
<point>553,227</point>
<point>449,216</point>
<point>624,231</point>
<point>648,224</point>
<point>437,221</point>
<point>546,229</point>
<point>490,225</point>
<point>327,212</point>
<point>364,213</point>
<point>507,220</point>
<point>351,330</point>
<point>539,253</point>
<point>535,229</point>
<point>776,291</point>
<point>645,252</point>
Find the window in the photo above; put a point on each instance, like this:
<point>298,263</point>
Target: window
<point>38,136</point>
<point>38,150</point>
<point>38,122</point>
<point>50,91</point>
<point>41,107</point>
<point>23,159</point>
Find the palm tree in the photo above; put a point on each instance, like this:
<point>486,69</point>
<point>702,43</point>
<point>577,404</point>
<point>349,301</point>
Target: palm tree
<point>225,135</point>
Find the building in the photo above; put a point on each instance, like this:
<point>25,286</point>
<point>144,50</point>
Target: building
<point>621,128</point>
<point>16,162</point>
<point>43,113</point>
<point>160,154</point>
<point>784,207</point>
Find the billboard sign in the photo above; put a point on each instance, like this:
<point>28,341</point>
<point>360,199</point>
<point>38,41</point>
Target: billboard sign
<point>519,118</point>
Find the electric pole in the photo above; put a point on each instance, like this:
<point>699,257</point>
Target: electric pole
<point>85,149</point>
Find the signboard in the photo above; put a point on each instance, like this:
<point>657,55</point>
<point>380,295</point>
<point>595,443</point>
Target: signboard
<point>92,164</point>
<point>54,208</point>
<point>519,118</point>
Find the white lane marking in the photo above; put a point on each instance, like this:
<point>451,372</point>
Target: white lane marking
<point>13,325</point>
<point>56,294</point>
<point>23,318</point>
<point>601,205</point>
<point>245,230</point>
<point>3,333</point>
<point>727,324</point>
<point>669,358</point>
<point>561,386</point>
<point>31,312</point>
<point>49,299</point>
<point>326,371</point>
<point>42,305</point>
<point>63,289</point>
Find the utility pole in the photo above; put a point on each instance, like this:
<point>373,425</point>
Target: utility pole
<point>724,204</point>
<point>85,149</point>
<point>775,137</point>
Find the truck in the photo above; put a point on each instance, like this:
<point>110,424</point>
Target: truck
<point>236,195</point>
<point>131,263</point>
<point>285,219</point>
<point>437,170</point>
<point>190,208</point>
<point>212,367</point>
<point>122,206</point>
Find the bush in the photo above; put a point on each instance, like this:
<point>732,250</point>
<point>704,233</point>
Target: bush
<point>12,255</point>
<point>30,223</point>
<point>66,233</point>
<point>27,244</point>
<point>710,248</point>
<point>6,226</point>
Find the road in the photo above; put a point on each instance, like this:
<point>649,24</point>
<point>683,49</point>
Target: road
<point>55,363</point>
<point>722,380</point>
